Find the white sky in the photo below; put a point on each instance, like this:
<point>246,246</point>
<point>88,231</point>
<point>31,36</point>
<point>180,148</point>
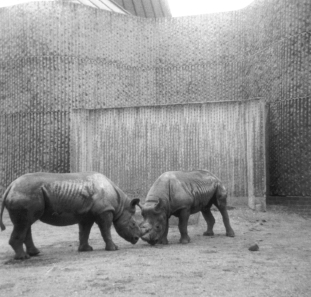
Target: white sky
<point>194,7</point>
<point>12,2</point>
<point>180,7</point>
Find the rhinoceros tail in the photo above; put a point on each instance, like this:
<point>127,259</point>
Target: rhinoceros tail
<point>2,207</point>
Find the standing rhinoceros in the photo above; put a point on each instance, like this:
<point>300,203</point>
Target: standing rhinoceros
<point>182,193</point>
<point>66,199</point>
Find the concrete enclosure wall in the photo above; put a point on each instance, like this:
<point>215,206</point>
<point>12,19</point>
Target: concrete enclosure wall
<point>133,146</point>
<point>55,57</point>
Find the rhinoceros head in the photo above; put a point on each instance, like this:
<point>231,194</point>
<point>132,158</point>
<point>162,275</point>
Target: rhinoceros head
<point>155,221</point>
<point>125,225</point>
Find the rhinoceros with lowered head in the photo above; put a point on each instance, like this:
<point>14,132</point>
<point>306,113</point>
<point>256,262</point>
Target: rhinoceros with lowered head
<point>63,199</point>
<point>182,193</point>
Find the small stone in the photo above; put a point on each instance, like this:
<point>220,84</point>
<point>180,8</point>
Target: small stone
<point>254,248</point>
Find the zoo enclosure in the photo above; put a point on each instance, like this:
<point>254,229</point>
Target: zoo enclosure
<point>58,57</point>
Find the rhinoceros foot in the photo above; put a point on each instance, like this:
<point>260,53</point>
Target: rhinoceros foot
<point>230,233</point>
<point>163,241</point>
<point>33,252</point>
<point>111,247</point>
<point>21,257</point>
<point>85,248</point>
<point>208,233</point>
<point>184,239</point>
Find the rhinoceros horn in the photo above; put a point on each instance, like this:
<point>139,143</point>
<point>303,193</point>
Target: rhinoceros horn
<point>134,202</point>
<point>139,206</point>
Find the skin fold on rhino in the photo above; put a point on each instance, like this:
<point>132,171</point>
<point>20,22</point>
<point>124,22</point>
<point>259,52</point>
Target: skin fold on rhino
<point>63,199</point>
<point>182,193</point>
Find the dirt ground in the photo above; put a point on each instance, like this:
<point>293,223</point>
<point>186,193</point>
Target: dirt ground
<point>208,266</point>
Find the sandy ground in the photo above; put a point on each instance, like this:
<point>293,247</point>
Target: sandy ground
<point>208,266</point>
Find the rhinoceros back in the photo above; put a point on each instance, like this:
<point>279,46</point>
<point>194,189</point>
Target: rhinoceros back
<point>182,188</point>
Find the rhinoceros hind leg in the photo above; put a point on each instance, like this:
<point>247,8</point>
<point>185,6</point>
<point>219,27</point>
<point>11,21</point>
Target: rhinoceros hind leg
<point>210,221</point>
<point>30,247</point>
<point>16,241</point>
<point>33,253</point>
<point>22,220</point>
<point>21,256</point>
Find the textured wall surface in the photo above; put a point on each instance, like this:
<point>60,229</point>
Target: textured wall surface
<point>133,146</point>
<point>290,142</point>
<point>57,57</point>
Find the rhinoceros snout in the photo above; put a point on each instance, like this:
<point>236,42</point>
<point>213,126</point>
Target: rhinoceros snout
<point>144,230</point>
<point>145,237</point>
<point>148,239</point>
<point>152,242</point>
<point>135,239</point>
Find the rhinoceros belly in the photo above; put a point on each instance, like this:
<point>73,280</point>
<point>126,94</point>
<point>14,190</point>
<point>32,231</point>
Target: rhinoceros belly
<point>60,219</point>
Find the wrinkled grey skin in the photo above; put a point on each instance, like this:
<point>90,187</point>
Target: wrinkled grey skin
<point>67,199</point>
<point>182,193</point>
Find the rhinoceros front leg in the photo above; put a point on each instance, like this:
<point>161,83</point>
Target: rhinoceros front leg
<point>225,218</point>
<point>183,225</point>
<point>163,239</point>
<point>84,233</point>
<point>104,222</point>
<point>210,221</point>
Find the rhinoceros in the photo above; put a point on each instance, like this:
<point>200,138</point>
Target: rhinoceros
<point>182,193</point>
<point>63,199</point>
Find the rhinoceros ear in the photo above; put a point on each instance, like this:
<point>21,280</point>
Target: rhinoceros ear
<point>160,205</point>
<point>135,202</point>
